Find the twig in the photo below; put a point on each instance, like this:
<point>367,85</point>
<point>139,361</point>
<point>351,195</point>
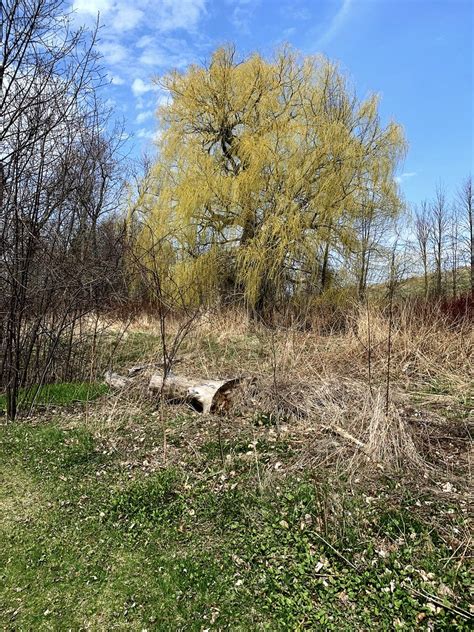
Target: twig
<point>437,600</point>
<point>369,345</point>
<point>346,435</point>
<point>390,328</point>
<point>254,441</point>
<point>219,436</point>
<point>343,557</point>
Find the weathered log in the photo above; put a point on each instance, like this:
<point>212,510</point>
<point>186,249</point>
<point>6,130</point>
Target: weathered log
<point>139,368</point>
<point>206,396</point>
<point>115,380</point>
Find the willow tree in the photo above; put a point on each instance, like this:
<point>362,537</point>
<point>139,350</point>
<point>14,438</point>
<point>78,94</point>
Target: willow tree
<point>263,168</point>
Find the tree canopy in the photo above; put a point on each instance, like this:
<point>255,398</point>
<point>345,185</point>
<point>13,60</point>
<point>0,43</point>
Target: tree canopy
<point>264,170</point>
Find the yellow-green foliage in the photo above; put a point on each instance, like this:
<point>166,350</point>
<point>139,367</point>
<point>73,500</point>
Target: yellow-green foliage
<point>261,163</point>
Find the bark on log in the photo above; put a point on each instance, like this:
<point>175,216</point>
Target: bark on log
<point>115,380</point>
<point>206,396</point>
<point>139,368</point>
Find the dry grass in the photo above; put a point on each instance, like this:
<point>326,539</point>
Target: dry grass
<point>327,393</point>
<point>388,483</point>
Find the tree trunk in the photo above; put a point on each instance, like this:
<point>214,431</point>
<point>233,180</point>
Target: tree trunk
<point>206,396</point>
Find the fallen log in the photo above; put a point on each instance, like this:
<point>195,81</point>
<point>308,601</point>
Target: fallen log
<point>114,380</point>
<point>205,396</point>
<point>139,368</point>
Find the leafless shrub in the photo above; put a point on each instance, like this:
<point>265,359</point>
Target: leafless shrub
<point>60,249</point>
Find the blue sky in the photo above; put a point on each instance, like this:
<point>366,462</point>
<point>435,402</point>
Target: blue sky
<point>417,54</point>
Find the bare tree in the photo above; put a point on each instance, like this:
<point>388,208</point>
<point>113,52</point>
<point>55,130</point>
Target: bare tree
<point>465,204</point>
<point>370,229</point>
<point>153,277</point>
<point>454,246</point>
<point>56,183</point>
<point>422,233</point>
<point>439,226</point>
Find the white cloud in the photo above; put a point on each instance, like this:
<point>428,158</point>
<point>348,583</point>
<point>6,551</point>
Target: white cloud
<point>153,135</point>
<point>150,25</point>
<point>408,174</point>
<point>162,15</point>
<point>165,15</point>
<point>116,80</point>
<point>142,102</point>
<point>184,14</point>
<point>127,18</point>
<point>144,116</point>
<point>92,7</point>
<point>116,15</point>
<point>113,52</point>
<point>144,133</point>
<point>336,22</point>
<point>141,38</point>
<point>144,41</point>
<point>139,87</point>
<point>164,52</point>
<point>153,56</point>
<point>242,13</point>
<point>147,25</point>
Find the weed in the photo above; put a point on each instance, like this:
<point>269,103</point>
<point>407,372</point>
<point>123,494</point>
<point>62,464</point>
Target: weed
<point>147,502</point>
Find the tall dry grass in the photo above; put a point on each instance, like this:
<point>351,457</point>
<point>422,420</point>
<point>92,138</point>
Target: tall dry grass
<point>328,392</point>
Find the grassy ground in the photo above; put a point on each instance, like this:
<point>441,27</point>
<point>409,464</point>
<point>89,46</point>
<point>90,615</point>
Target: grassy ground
<point>128,516</point>
<point>93,542</point>
<point>57,394</point>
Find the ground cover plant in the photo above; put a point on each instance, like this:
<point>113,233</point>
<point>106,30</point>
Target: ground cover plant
<point>159,518</point>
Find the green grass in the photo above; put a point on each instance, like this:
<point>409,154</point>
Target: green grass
<point>89,544</point>
<point>59,394</point>
<point>136,346</point>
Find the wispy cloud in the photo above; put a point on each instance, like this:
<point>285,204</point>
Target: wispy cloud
<point>162,15</point>
<point>336,23</point>
<point>151,135</point>
<point>92,7</point>
<point>152,26</point>
<point>242,13</point>
<point>139,39</point>
<point>116,80</point>
<point>403,176</point>
<point>144,116</point>
<point>165,51</point>
<point>113,52</point>
<point>184,14</point>
<point>140,87</point>
<point>127,18</point>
